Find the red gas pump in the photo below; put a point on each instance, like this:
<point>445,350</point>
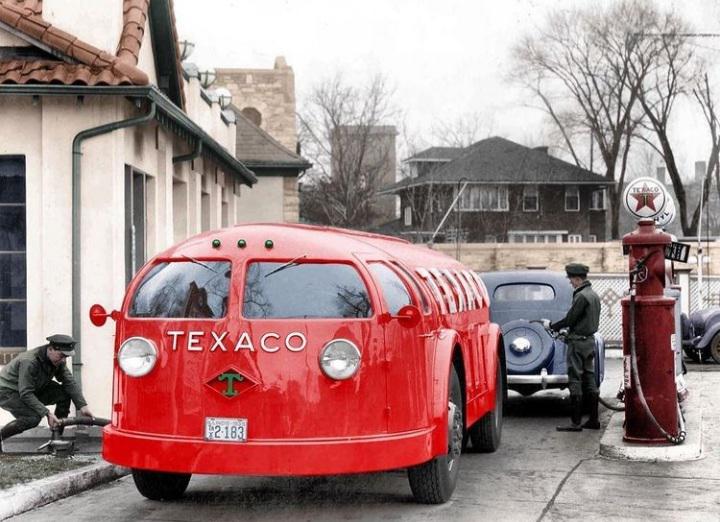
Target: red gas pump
<point>651,407</point>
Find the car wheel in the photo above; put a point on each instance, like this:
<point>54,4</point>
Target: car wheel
<point>434,482</point>
<point>158,485</point>
<point>487,432</point>
<point>715,348</point>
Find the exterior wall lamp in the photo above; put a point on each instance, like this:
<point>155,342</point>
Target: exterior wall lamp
<point>186,49</point>
<point>207,78</point>
<point>224,97</point>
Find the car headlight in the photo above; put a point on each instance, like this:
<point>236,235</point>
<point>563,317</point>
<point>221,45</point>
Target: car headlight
<point>137,356</point>
<point>520,345</point>
<point>340,359</point>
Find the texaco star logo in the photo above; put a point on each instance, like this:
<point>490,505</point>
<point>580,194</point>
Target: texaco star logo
<point>645,198</point>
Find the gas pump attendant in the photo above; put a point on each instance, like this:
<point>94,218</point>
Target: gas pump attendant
<point>36,378</point>
<point>582,322</point>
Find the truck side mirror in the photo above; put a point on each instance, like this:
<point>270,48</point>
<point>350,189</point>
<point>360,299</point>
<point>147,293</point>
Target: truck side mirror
<point>409,316</point>
<point>98,315</point>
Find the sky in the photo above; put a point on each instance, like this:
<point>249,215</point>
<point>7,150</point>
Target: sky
<point>445,59</point>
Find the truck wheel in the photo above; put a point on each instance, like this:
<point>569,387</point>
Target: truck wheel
<point>434,482</point>
<point>158,485</point>
<point>487,432</point>
<point>715,348</point>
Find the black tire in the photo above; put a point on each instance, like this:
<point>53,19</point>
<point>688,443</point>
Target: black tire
<point>434,482</point>
<point>715,348</point>
<point>697,356</point>
<point>158,485</point>
<point>486,433</point>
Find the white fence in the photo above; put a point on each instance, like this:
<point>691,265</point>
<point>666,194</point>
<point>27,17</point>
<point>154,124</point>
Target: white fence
<point>612,287</point>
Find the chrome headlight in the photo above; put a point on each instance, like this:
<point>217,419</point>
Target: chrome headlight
<point>520,345</point>
<point>137,356</point>
<point>340,359</point>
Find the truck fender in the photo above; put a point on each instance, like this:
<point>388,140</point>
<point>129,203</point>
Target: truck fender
<point>495,353</point>
<point>444,350</point>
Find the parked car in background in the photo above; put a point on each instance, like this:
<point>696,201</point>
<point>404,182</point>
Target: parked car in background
<point>701,334</point>
<point>535,360</point>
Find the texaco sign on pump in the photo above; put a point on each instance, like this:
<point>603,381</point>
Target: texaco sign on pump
<point>299,350</point>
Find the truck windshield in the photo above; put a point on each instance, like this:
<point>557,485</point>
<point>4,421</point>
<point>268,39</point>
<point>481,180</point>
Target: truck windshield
<point>181,289</point>
<point>304,290</point>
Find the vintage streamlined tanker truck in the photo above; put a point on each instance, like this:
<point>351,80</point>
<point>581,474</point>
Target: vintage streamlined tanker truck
<point>293,350</point>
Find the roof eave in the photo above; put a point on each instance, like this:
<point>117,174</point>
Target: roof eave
<point>164,105</point>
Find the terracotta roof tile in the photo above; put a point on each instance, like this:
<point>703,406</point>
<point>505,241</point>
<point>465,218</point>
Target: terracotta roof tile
<point>32,7</point>
<point>50,71</point>
<point>25,17</point>
<point>134,20</point>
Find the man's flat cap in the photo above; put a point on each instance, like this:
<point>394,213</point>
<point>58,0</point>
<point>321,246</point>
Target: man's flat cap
<point>576,269</point>
<point>64,343</point>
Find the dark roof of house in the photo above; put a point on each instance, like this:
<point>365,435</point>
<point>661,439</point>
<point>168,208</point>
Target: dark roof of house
<point>75,62</point>
<point>499,161</point>
<point>256,148</point>
<point>438,153</point>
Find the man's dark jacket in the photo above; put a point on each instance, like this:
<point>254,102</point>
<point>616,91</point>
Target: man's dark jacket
<point>31,371</point>
<point>584,315</point>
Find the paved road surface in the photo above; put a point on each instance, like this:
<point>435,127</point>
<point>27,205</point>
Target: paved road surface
<point>538,474</point>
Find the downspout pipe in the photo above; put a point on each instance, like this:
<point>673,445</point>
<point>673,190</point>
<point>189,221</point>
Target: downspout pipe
<point>80,137</point>
<point>190,156</point>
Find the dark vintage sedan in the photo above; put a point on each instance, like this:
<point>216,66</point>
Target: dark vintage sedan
<point>535,360</point>
<point>701,334</point>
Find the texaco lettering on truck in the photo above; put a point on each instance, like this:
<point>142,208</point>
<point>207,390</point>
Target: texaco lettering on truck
<point>298,350</point>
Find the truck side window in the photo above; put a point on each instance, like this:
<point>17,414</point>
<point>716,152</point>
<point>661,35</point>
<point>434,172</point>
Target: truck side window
<point>423,300</point>
<point>393,289</point>
<point>183,289</point>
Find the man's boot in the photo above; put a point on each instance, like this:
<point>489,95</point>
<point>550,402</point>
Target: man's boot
<point>10,429</point>
<point>593,423</point>
<point>575,415</point>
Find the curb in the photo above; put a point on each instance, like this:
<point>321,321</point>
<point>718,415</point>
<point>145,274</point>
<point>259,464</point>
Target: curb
<point>25,497</point>
<point>613,446</point>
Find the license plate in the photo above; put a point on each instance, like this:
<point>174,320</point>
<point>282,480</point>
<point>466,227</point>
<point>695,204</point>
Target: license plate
<point>222,429</point>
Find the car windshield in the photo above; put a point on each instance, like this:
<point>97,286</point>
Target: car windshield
<point>183,289</point>
<point>524,292</point>
<point>301,290</point>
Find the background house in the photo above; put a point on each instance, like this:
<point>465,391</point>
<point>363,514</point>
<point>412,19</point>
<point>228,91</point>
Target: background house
<point>277,168</point>
<point>509,193</point>
<point>267,138</point>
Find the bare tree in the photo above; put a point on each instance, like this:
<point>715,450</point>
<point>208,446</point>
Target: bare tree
<point>464,130</point>
<point>339,133</point>
<point>579,68</point>
<point>667,67</point>
<point>704,96</point>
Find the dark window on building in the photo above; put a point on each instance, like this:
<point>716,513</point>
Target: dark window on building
<point>252,114</point>
<point>572,198</point>
<point>530,198</point>
<point>395,293</point>
<point>598,199</point>
<point>304,290</point>
<point>135,220</point>
<point>485,197</point>
<point>183,289</point>
<point>13,271</point>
